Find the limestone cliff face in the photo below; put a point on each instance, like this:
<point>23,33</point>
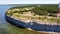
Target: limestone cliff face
<point>27,14</point>
<point>26,17</point>
<point>34,25</point>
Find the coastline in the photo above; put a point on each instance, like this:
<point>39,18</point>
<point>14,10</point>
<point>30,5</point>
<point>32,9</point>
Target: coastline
<point>34,26</point>
<point>37,21</point>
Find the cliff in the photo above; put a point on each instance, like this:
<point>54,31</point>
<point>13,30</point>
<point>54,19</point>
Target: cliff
<point>38,20</point>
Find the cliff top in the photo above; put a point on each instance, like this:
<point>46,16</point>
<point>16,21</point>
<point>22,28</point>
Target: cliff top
<point>44,13</point>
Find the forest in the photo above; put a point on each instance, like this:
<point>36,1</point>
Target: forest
<point>45,10</point>
<point>42,9</point>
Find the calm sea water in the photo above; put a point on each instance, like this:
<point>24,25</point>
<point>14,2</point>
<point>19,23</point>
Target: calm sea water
<point>5,27</point>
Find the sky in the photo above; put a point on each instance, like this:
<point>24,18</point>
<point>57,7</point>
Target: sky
<point>29,1</point>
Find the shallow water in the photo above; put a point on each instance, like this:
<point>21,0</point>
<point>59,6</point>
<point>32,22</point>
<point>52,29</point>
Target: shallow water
<point>5,27</point>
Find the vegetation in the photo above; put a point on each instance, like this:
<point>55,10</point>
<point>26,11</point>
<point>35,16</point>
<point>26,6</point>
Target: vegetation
<point>37,11</point>
<point>40,10</point>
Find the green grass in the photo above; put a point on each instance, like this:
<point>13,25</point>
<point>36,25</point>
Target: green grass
<point>53,20</point>
<point>41,18</point>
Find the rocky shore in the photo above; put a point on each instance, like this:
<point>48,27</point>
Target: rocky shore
<point>34,25</point>
<point>37,21</point>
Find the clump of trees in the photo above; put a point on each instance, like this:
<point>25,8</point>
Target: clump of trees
<point>40,9</point>
<point>45,10</point>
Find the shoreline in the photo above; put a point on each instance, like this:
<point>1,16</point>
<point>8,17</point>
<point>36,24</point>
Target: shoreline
<point>40,27</point>
<point>37,21</point>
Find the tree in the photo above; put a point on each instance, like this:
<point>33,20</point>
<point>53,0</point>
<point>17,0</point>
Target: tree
<point>45,13</point>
